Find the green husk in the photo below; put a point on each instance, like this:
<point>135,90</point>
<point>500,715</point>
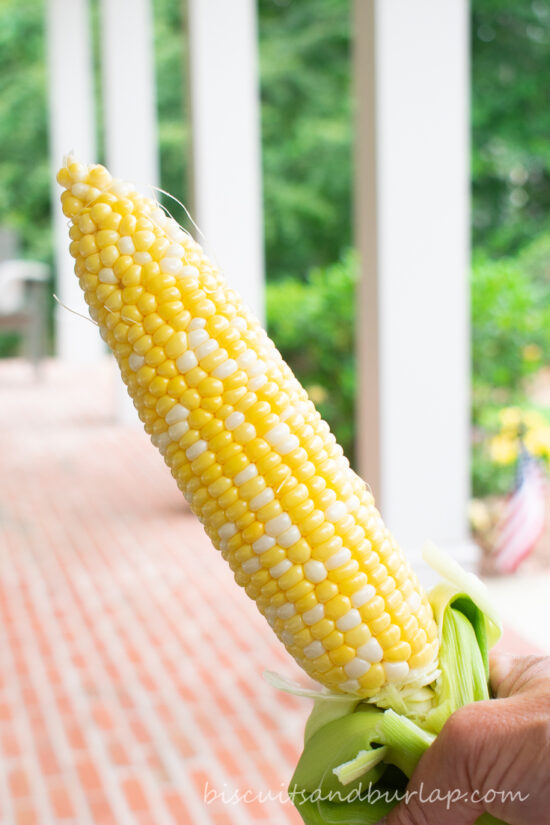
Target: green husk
<point>358,757</point>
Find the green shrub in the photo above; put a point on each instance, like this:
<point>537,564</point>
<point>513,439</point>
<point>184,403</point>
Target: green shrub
<point>312,323</point>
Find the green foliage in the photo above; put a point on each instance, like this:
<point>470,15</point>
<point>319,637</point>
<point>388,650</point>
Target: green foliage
<point>306,131</point>
<point>509,325</point>
<point>511,122</point>
<point>312,323</point>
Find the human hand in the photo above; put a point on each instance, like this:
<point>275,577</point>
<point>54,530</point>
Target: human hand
<point>487,749</point>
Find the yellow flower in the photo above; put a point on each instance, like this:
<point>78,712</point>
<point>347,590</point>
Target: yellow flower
<point>510,419</point>
<point>503,449</point>
<point>537,441</point>
<point>533,420</point>
<point>531,353</point>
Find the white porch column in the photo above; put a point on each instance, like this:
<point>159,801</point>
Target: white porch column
<point>227,200</point>
<point>71,129</point>
<point>129,105</point>
<point>411,77</point>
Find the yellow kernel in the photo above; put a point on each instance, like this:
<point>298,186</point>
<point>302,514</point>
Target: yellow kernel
<point>326,590</point>
<point>108,255</point>
<point>152,323</point>
<point>123,206</point>
<point>86,224</point>
<point>143,344</point>
<point>74,233</point>
<point>333,640</point>
<point>299,552</point>
<point>147,303</point>
<point>130,294</point>
<point>190,398</point>
<point>337,607</point>
<point>71,205</point>
<point>132,315</point>
<point>99,213</point>
<point>235,464</point>
<point>105,238</point>
<point>145,375</point>
<point>373,608</point>
<point>121,264</point>
<point>143,239</point>
<point>345,571</point>
<point>353,584</point>
<point>87,246</point>
<point>158,248</point>
<point>269,511</point>
<point>114,302</point>
<point>358,636</point>
<point>93,263</point>
<point>214,427</point>
<point>132,276</point>
<point>340,656</point>
<point>400,652</point>
<point>176,345</point>
<point>211,387</point>
<point>103,291</point>
<point>374,678</point>
<point>322,629</point>
<point>74,249</point>
<point>127,225</point>
<point>167,369</point>
<point>154,356</point>
<point>162,333</point>
<point>134,333</point>
<point>390,637</point>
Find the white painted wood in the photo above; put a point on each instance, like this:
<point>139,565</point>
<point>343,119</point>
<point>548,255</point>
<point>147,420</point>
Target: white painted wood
<point>412,204</point>
<point>227,200</point>
<point>71,130</point>
<point>129,105</point>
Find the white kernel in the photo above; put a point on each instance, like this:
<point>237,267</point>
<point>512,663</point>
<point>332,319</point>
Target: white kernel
<point>126,245</point>
<point>261,499</point>
<point>171,266</point>
<point>336,511</point>
<point>197,337</point>
<point>197,323</point>
<point>161,441</point>
<point>206,348</point>
<point>315,571</point>
<point>353,504</point>
<point>239,322</point>
<point>371,651</point>
<point>177,413</point>
<point>277,434</point>
<point>350,686</point>
<point>280,568</point>
<point>189,272</point>
<point>314,615</point>
<point>286,445</point>
<point>233,420</point>
<point>396,671</point>
<point>80,190</point>
<point>313,650</point>
<point>278,525</point>
<point>287,412</point>
<point>142,258</point>
<point>159,216</point>
<point>247,358</point>
<point>227,530</point>
<point>251,565</point>
<point>357,668</point>
<point>257,382</point>
<point>121,188</point>
<point>226,369</point>
<point>414,601</point>
<point>135,361</point>
<point>175,251</point>
<point>176,431</point>
<point>186,361</point>
<point>338,559</point>
<point>245,475</point>
<point>289,537</point>
<point>196,449</point>
<point>286,611</point>
<point>363,596</point>
<point>107,276</point>
<point>256,369</point>
<point>263,544</point>
<point>349,620</point>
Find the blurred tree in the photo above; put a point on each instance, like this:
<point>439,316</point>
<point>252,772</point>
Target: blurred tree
<point>511,122</point>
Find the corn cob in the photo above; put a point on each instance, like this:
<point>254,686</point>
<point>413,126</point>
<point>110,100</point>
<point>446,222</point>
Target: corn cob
<point>248,449</point>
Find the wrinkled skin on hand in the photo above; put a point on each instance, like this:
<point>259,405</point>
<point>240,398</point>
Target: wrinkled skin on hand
<point>499,745</point>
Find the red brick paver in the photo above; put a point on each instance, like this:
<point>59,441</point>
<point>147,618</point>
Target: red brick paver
<point>130,662</point>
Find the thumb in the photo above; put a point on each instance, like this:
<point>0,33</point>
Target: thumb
<point>502,666</point>
<point>513,675</point>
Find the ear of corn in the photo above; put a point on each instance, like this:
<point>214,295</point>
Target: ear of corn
<point>253,457</point>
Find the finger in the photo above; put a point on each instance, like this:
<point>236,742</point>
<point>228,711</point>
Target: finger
<point>502,665</point>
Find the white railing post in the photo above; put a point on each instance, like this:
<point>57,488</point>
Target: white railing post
<point>224,81</point>
<point>129,105</point>
<point>71,129</point>
<point>412,208</point>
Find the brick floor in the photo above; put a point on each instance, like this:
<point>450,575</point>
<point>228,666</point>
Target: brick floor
<point>130,662</point>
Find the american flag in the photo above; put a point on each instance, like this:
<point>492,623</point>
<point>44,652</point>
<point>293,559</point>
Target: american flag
<point>524,516</point>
